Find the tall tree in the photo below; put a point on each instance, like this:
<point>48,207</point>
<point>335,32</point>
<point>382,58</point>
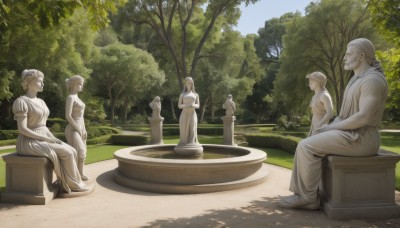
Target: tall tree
<point>162,16</point>
<point>120,72</point>
<point>317,42</point>
<point>385,16</point>
<point>269,46</point>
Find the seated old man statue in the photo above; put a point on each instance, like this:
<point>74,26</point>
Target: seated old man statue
<point>353,133</point>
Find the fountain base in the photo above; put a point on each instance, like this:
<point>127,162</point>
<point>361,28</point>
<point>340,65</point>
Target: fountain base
<point>139,169</point>
<point>190,150</point>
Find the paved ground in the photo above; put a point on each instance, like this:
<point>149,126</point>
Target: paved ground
<point>111,205</point>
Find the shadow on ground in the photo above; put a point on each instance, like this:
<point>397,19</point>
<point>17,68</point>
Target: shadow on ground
<point>106,180</point>
<point>266,213</point>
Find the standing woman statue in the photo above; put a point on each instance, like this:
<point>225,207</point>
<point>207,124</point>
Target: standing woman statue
<point>355,132</point>
<point>188,102</point>
<point>75,132</point>
<point>321,103</point>
<point>35,139</point>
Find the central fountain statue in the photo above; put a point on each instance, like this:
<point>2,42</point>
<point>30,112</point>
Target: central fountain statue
<point>188,101</point>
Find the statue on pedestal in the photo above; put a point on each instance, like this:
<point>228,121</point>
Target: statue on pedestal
<point>188,102</point>
<point>229,120</point>
<point>156,121</point>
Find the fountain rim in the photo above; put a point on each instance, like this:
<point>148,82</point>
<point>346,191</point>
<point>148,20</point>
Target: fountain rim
<point>125,155</point>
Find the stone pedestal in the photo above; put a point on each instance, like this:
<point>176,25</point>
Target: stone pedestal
<point>189,150</point>
<point>360,187</point>
<point>229,125</point>
<point>156,130</point>
<point>29,180</point>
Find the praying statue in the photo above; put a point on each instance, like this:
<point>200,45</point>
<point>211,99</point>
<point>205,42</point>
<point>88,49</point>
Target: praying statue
<point>229,106</point>
<point>155,105</point>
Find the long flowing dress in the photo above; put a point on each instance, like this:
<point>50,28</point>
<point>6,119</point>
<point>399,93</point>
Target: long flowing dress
<point>61,155</point>
<point>73,137</point>
<point>364,141</point>
<point>188,121</point>
<point>318,110</point>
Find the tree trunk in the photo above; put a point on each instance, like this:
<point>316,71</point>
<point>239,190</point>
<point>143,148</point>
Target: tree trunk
<point>203,109</point>
<point>112,110</point>
<point>173,109</point>
<point>126,110</point>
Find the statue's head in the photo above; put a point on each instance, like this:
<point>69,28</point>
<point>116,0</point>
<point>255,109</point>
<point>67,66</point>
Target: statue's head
<point>319,77</point>
<point>30,75</point>
<point>157,99</point>
<point>189,84</point>
<point>229,96</point>
<point>73,81</point>
<point>363,46</point>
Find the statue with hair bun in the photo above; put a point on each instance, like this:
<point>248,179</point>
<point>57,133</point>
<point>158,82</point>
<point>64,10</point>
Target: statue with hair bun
<point>75,132</point>
<point>321,103</point>
<point>35,139</point>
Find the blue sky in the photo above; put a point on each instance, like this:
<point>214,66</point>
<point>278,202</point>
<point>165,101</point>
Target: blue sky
<point>254,15</point>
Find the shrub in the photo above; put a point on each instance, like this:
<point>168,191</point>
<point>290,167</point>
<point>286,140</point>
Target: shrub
<point>61,122</point>
<point>133,140</point>
<point>286,143</point>
<point>99,140</point>
<point>94,132</point>
<point>8,134</point>
<point>8,142</point>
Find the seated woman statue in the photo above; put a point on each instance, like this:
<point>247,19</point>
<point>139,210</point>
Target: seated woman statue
<point>35,139</point>
<point>321,103</point>
<point>353,133</point>
<point>75,132</point>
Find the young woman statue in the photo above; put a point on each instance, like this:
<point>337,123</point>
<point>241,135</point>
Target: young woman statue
<point>321,103</point>
<point>75,132</point>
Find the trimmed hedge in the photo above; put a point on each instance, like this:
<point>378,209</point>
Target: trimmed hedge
<point>133,140</point>
<point>286,143</point>
<point>8,142</point>
<point>8,134</point>
<point>99,140</point>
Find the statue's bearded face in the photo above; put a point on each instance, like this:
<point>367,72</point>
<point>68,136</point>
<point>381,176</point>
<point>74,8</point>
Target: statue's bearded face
<point>352,59</point>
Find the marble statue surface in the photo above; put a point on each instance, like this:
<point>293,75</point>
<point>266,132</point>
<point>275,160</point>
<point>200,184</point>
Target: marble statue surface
<point>321,103</point>
<point>75,132</point>
<point>35,139</point>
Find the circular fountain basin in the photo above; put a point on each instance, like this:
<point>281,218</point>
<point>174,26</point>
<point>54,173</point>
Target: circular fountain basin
<point>155,168</point>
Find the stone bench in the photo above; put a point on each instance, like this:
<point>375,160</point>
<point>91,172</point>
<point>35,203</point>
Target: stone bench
<point>29,180</point>
<point>359,187</point>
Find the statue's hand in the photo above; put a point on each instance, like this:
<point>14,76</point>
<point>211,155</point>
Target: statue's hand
<point>53,140</point>
<point>324,128</point>
<point>84,134</point>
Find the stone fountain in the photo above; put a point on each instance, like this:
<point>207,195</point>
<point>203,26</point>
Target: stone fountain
<point>189,167</point>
